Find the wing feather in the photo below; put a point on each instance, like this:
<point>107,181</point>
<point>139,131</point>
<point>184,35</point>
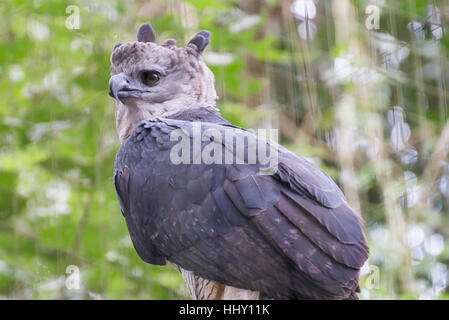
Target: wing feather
<point>290,235</point>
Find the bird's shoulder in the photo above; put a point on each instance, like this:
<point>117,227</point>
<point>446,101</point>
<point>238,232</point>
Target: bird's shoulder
<point>217,211</point>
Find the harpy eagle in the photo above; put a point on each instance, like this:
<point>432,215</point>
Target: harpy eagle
<point>233,230</point>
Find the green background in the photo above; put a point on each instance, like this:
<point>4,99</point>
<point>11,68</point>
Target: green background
<point>370,107</point>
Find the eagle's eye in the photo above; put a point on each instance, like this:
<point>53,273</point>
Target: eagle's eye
<point>150,77</point>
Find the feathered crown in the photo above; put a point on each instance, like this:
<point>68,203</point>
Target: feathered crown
<point>130,54</point>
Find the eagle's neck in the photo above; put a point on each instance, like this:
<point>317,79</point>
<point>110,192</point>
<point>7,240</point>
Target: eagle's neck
<point>204,114</point>
<point>129,117</point>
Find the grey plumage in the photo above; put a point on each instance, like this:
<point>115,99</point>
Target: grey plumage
<point>289,235</point>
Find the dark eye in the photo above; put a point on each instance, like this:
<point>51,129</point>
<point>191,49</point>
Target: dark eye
<point>150,78</point>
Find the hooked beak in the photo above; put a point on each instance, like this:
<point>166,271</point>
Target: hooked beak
<point>121,87</point>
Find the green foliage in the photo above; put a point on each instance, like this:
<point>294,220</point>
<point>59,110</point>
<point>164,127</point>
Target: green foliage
<point>58,139</point>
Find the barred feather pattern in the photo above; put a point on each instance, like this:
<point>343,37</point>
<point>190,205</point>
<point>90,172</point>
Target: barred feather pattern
<point>204,289</point>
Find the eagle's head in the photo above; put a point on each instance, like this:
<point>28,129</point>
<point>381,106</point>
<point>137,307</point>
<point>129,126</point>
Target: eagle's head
<point>156,80</point>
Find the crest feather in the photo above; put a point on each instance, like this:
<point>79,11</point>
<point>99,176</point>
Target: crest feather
<point>200,40</point>
<point>146,33</point>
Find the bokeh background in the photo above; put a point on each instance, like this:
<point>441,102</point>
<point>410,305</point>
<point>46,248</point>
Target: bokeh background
<point>358,87</point>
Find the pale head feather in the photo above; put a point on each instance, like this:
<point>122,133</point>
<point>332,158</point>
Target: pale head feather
<point>185,80</point>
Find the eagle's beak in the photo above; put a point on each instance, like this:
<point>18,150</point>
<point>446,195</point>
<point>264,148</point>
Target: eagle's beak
<point>121,87</point>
